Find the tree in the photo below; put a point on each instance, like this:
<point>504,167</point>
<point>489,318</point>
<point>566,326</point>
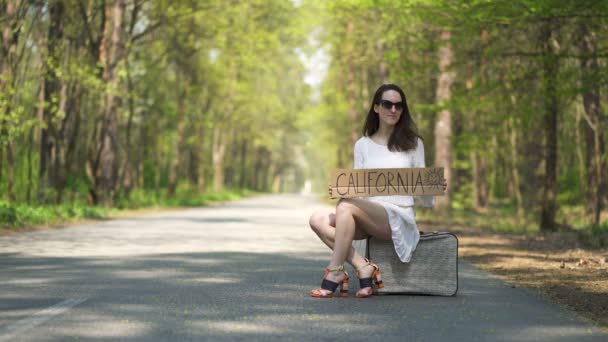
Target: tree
<point>443,125</point>
<point>594,121</point>
<point>104,156</point>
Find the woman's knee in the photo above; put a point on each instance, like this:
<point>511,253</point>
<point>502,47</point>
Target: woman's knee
<point>317,220</point>
<point>345,207</point>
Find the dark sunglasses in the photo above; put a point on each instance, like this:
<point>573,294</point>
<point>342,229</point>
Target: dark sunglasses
<point>388,104</point>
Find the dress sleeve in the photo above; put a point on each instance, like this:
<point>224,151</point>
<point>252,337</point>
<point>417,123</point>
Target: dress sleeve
<point>359,155</point>
<point>427,200</point>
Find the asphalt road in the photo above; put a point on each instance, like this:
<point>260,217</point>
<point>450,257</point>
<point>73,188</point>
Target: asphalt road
<point>239,271</point>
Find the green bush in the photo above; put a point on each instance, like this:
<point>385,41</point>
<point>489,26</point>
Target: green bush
<point>23,215</point>
<point>8,214</point>
<point>600,229</point>
<point>19,215</point>
<point>462,199</point>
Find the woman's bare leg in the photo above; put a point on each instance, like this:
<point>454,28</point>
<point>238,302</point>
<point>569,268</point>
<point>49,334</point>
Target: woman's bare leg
<point>323,223</point>
<point>353,215</point>
<point>354,219</point>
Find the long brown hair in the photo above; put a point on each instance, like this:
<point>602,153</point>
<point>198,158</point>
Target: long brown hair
<point>405,134</point>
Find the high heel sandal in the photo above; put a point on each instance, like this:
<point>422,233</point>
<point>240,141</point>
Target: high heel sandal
<point>369,282</point>
<point>331,286</point>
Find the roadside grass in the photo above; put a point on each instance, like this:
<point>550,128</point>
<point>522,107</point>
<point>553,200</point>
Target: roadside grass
<point>492,219</point>
<point>184,197</point>
<point>16,216</point>
<point>19,215</point>
<point>502,219</point>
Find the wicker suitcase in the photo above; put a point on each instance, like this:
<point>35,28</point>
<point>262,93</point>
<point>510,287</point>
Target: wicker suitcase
<point>433,269</point>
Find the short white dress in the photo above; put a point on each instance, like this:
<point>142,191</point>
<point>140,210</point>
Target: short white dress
<point>400,209</point>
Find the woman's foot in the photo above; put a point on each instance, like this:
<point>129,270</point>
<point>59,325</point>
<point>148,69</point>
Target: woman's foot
<point>368,274</point>
<point>332,278</point>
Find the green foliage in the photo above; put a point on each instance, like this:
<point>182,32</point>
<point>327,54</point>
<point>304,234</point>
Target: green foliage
<point>595,235</point>
<point>24,215</point>
<point>462,198</point>
<point>14,216</point>
<point>498,89</point>
<point>186,196</point>
<point>601,229</point>
<point>8,214</point>
<point>202,75</point>
<point>497,218</point>
<point>571,192</point>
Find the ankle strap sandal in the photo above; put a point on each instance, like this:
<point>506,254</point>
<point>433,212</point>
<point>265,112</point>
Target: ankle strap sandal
<point>331,286</point>
<point>369,281</point>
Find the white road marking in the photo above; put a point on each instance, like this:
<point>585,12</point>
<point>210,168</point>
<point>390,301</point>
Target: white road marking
<point>13,330</point>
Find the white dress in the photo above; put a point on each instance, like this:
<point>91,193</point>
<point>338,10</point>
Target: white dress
<point>400,209</point>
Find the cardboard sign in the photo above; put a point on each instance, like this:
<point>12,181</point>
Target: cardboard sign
<point>347,183</point>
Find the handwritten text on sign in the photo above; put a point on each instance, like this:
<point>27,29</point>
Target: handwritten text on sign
<point>348,183</point>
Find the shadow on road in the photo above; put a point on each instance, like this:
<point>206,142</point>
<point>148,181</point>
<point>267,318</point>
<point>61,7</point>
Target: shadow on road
<point>258,296</point>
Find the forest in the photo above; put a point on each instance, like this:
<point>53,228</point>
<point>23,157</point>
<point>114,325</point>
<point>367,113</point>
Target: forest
<point>135,103</point>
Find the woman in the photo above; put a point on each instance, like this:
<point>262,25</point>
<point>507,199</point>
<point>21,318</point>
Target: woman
<point>390,140</point>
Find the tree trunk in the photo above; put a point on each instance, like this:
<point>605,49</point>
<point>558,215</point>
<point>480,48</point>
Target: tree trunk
<point>158,172</point>
<point>129,171</point>
<point>383,67</point>
<point>28,192</point>
<point>480,158</point>
<point>202,159</point>
<point>68,137</point>
<point>594,134</point>
<point>513,137</point>
<point>352,85</point>
<point>176,162</point>
<point>177,148</point>
<point>494,170</point>
<point>581,148</point>
<point>479,180</point>
<point>105,153</point>
<point>143,155</point>
<point>218,150</point>
<point>266,172</point>
<point>50,97</point>
<point>10,36</point>
<point>259,169</point>
<point>68,100</point>
<point>443,125</point>
<point>1,163</point>
<point>243,173</point>
<point>41,124</point>
<point>126,175</point>
<point>513,130</point>
<point>10,166</point>
<point>551,105</point>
